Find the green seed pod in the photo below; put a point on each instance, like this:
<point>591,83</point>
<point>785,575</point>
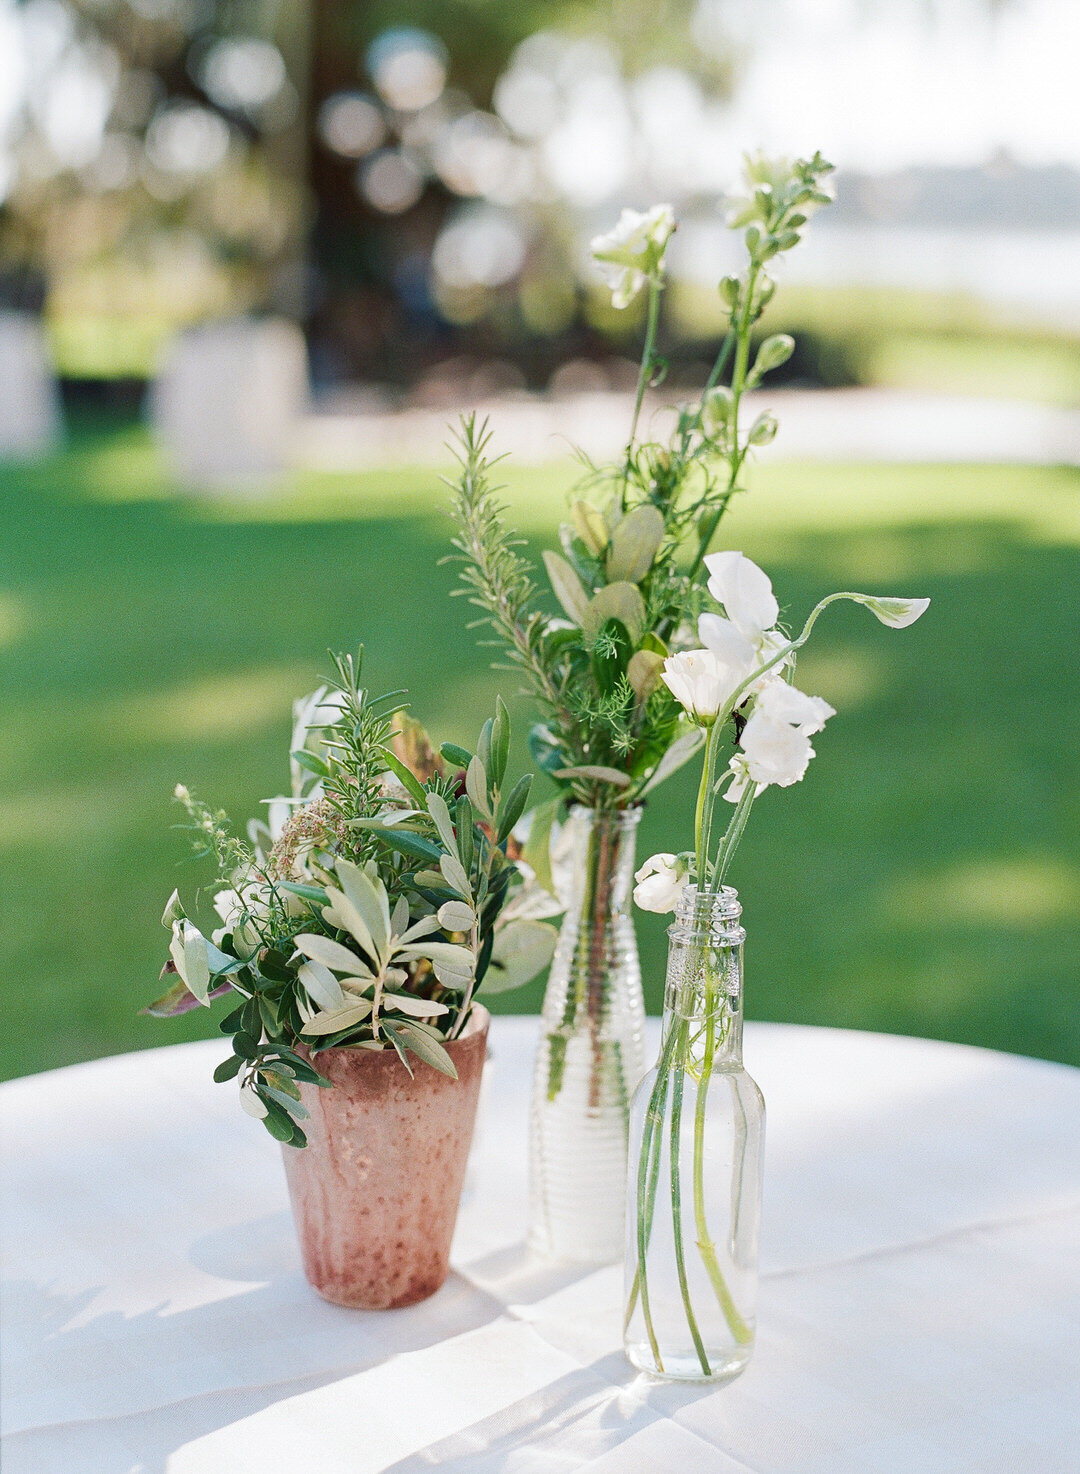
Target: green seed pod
<point>717,409</point>
<point>730,290</point>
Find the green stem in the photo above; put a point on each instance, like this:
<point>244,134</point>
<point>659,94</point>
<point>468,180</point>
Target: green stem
<point>703,812</point>
<point>645,371</point>
<point>648,1173</point>
<point>739,1329</point>
<point>676,1198</point>
<point>733,834</point>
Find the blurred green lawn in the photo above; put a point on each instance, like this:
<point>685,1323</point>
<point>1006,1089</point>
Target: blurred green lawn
<point>924,879</point>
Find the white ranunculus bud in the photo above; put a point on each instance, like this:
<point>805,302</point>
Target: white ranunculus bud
<point>700,681</point>
<point>659,883</point>
<point>745,591</point>
<point>633,250</point>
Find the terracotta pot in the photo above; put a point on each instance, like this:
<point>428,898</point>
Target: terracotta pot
<point>375,1192</point>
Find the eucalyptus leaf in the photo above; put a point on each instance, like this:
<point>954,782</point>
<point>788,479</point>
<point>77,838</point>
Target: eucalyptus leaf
<point>595,773</point>
<point>620,601</point>
<point>567,586</point>
<point>521,950</point>
<point>643,672</point>
<point>634,544</point>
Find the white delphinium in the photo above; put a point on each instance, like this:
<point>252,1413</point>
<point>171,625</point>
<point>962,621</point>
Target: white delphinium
<point>633,251</point>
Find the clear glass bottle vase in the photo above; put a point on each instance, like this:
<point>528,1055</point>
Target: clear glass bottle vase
<point>695,1159</point>
<point>592,1049</point>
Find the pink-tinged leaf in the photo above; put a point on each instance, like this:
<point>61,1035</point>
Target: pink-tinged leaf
<point>179,998</point>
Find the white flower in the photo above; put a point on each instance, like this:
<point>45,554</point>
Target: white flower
<point>785,703</point>
<point>775,745</point>
<point>898,613</point>
<point>659,883</point>
<point>700,681</point>
<point>775,751</point>
<point>746,593</point>
<point>633,250</point>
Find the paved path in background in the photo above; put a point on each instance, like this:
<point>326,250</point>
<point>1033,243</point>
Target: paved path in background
<point>827,424</point>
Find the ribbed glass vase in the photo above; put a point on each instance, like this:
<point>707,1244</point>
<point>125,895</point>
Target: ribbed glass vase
<point>591,1052</point>
<point>694,1178</point>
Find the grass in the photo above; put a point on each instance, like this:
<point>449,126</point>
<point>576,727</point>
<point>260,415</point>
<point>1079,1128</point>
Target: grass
<point>924,878</point>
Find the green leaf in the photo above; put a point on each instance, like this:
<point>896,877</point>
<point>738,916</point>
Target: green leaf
<point>231,1022</point>
<point>405,776</point>
<point>643,672</point>
<point>293,1107</point>
<point>634,544</point>
<point>567,586</point>
<point>423,1046</point>
<point>458,757</point>
<point>454,874</point>
<point>521,950</point>
<point>513,806</point>
<point>500,743</point>
<point>465,845</point>
<point>537,851</point>
<point>545,749</point>
<point>621,601</point>
<point>456,916</point>
<point>245,1047</point>
<point>679,753</point>
<point>439,811</point>
<point>196,962</point>
<point>314,893</point>
<point>228,1069</point>
<point>483,745</point>
<point>407,844</point>
<point>277,1121</point>
<point>595,773</point>
<point>476,786</point>
<point>311,762</point>
<point>329,953</point>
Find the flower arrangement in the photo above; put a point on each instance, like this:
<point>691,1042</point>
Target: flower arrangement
<point>368,913</point>
<point>737,688</point>
<point>629,574</point>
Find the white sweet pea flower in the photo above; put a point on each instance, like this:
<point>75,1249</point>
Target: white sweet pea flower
<point>785,703</point>
<point>775,751</point>
<point>775,745</point>
<point>701,682</point>
<point>633,250</point>
<point>897,613</point>
<point>660,882</point>
<point>745,591</point>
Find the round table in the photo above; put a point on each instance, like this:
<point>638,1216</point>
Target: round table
<point>920,1306</point>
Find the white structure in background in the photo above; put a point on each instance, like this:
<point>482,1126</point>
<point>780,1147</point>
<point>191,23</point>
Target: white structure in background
<point>30,420</point>
<point>228,401</point>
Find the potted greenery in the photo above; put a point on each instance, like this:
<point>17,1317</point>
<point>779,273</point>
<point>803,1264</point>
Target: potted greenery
<point>357,929</point>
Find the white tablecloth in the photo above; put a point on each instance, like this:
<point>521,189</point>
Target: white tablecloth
<point>920,1306</point>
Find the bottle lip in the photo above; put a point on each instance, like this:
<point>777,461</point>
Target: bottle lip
<point>692,908</point>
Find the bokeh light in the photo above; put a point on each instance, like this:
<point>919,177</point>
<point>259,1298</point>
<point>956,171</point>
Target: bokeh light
<point>408,67</point>
<point>242,73</point>
<point>352,124</point>
<point>391,180</point>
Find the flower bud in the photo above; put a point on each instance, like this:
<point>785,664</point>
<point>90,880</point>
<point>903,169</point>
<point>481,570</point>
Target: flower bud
<point>764,429</point>
<point>717,409</point>
<point>772,353</point>
<point>729,290</point>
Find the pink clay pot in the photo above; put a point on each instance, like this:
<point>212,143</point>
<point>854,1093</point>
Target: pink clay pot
<point>375,1192</point>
